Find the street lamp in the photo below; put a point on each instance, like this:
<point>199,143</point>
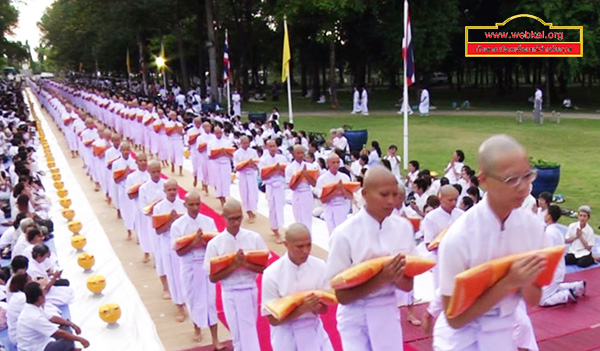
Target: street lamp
<point>161,63</point>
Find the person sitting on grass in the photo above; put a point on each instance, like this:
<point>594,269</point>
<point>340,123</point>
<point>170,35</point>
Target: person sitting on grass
<point>544,200</point>
<point>558,292</point>
<point>581,237</point>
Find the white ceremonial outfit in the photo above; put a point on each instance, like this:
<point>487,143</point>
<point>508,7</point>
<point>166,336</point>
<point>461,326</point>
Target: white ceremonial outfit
<point>204,175</point>
<point>138,177</point>
<point>452,177</point>
<point>124,201</point>
<point>247,178</point>
<point>356,108</point>
<point>373,322</point>
<point>239,289</point>
<point>302,196</point>
<point>364,102</point>
<point>165,256</point>
<point>424,103</point>
<point>236,99</point>
<point>193,144</point>
<point>198,292</point>
<point>175,143</point>
<point>283,278</point>
<point>336,210</point>
<point>151,191</point>
<point>475,238</point>
<point>274,187</point>
<point>576,248</point>
<point>222,167</point>
<point>110,154</point>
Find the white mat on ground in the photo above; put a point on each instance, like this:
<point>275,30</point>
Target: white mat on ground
<point>135,329</point>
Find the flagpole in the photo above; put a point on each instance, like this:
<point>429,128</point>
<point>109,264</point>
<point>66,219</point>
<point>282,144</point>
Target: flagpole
<point>228,76</point>
<point>228,99</point>
<point>289,84</point>
<point>405,92</point>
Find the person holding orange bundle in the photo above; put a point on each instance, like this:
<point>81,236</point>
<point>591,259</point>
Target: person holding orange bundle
<point>297,271</point>
<point>336,204</point>
<point>198,291</point>
<point>493,228</point>
<point>245,160</point>
<point>298,176</point>
<point>238,281</point>
<point>272,173</point>
<point>132,205</point>
<point>368,319</point>
<point>222,164</point>
<point>121,168</point>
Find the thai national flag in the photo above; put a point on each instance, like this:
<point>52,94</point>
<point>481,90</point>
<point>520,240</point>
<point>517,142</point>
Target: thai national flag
<point>407,53</point>
<point>226,61</point>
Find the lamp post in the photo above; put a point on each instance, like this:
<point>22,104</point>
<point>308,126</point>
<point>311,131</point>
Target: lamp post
<point>160,63</point>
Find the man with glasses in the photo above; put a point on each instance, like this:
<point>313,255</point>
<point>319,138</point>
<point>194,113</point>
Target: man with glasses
<point>493,228</point>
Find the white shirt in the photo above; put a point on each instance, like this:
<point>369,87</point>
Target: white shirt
<point>241,155</point>
<point>374,158</point>
<point>452,177</point>
<point>295,167</point>
<point>284,277</point>
<point>268,160</point>
<point>187,225</point>
<point>329,178</point>
<point>361,237</point>
<point>436,220</point>
<point>137,177</point>
<point>225,243</point>
<point>15,306</point>
<point>576,248</point>
<point>478,237</point>
<point>34,330</point>
<point>555,237</point>
<point>151,191</point>
<point>395,165</point>
<point>340,143</point>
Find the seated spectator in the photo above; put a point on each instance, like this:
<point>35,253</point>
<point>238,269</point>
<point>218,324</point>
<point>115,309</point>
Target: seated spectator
<point>374,154</point>
<point>466,203</point>
<point>37,332</point>
<point>581,237</point>
<point>544,200</point>
<point>16,303</point>
<point>558,292</point>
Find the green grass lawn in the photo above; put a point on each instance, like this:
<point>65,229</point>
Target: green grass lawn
<point>573,144</point>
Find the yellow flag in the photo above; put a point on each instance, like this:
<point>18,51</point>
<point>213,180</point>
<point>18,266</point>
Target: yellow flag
<point>285,69</point>
<point>128,63</point>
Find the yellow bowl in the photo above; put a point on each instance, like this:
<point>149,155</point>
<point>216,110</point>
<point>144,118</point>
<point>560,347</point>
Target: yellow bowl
<point>65,203</point>
<point>78,241</point>
<point>51,164</point>
<point>186,153</point>
<point>59,185</point>
<point>75,226</point>
<point>68,213</point>
<point>110,313</point>
<point>55,171</point>
<point>56,177</point>
<point>96,284</point>
<point>86,261</point>
<point>62,193</point>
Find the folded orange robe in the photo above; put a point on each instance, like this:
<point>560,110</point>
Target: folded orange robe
<point>416,223</point>
<point>192,137</point>
<point>246,163</point>
<point>259,257</point>
<point>215,153</point>
<point>173,129</point>
<point>473,282</point>
<point>202,147</point>
<point>140,117</point>
<point>158,127</point>
<point>187,239</point>
<point>147,210</point>
<point>364,271</point>
<point>284,306</point>
<point>158,220</point>
<point>135,189</point>
<point>312,173</point>
<point>88,143</point>
<point>99,150</point>
<point>265,172</point>
<point>110,162</point>
<point>330,188</point>
<point>121,172</point>
<point>437,240</point>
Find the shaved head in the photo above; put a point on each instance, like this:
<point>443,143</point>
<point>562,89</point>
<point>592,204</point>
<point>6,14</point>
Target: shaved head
<point>376,176</point>
<point>493,148</point>
<point>170,181</point>
<point>231,206</point>
<point>192,196</point>
<point>448,190</point>
<point>154,164</point>
<point>296,231</point>
<point>232,211</point>
<point>380,191</point>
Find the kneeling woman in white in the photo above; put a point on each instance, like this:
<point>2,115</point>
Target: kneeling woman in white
<point>297,271</point>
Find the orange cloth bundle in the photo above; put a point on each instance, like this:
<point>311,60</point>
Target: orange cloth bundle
<point>192,137</point>
<point>120,173</point>
<point>88,143</point>
<point>266,172</point>
<point>187,239</point>
<point>111,161</point>
<point>473,282</point>
<point>284,306</point>
<point>330,188</point>
<point>99,150</point>
<point>158,220</point>
<point>362,272</point>
<point>148,120</point>
<point>246,163</point>
<point>416,222</point>
<point>437,240</point>
<point>140,117</point>
<point>312,173</point>
<point>68,120</point>
<point>202,147</point>
<point>147,210</point>
<point>135,189</point>
<point>259,257</point>
<point>173,129</point>
<point>158,127</point>
<point>215,153</point>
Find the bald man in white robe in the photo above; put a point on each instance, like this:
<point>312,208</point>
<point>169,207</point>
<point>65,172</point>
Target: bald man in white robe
<point>247,177</point>
<point>124,163</point>
<point>191,137</point>
<point>153,189</point>
<point>274,185</point>
<point>202,147</point>
<point>337,204</point>
<point>302,196</point>
<point>199,291</point>
<point>139,177</point>
<point>297,271</point>
<point>222,164</point>
<point>238,281</point>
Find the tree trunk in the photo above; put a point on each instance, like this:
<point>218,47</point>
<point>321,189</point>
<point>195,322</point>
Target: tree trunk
<point>303,73</point>
<point>142,61</point>
<point>212,50</point>
<point>332,87</point>
<point>184,76</point>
